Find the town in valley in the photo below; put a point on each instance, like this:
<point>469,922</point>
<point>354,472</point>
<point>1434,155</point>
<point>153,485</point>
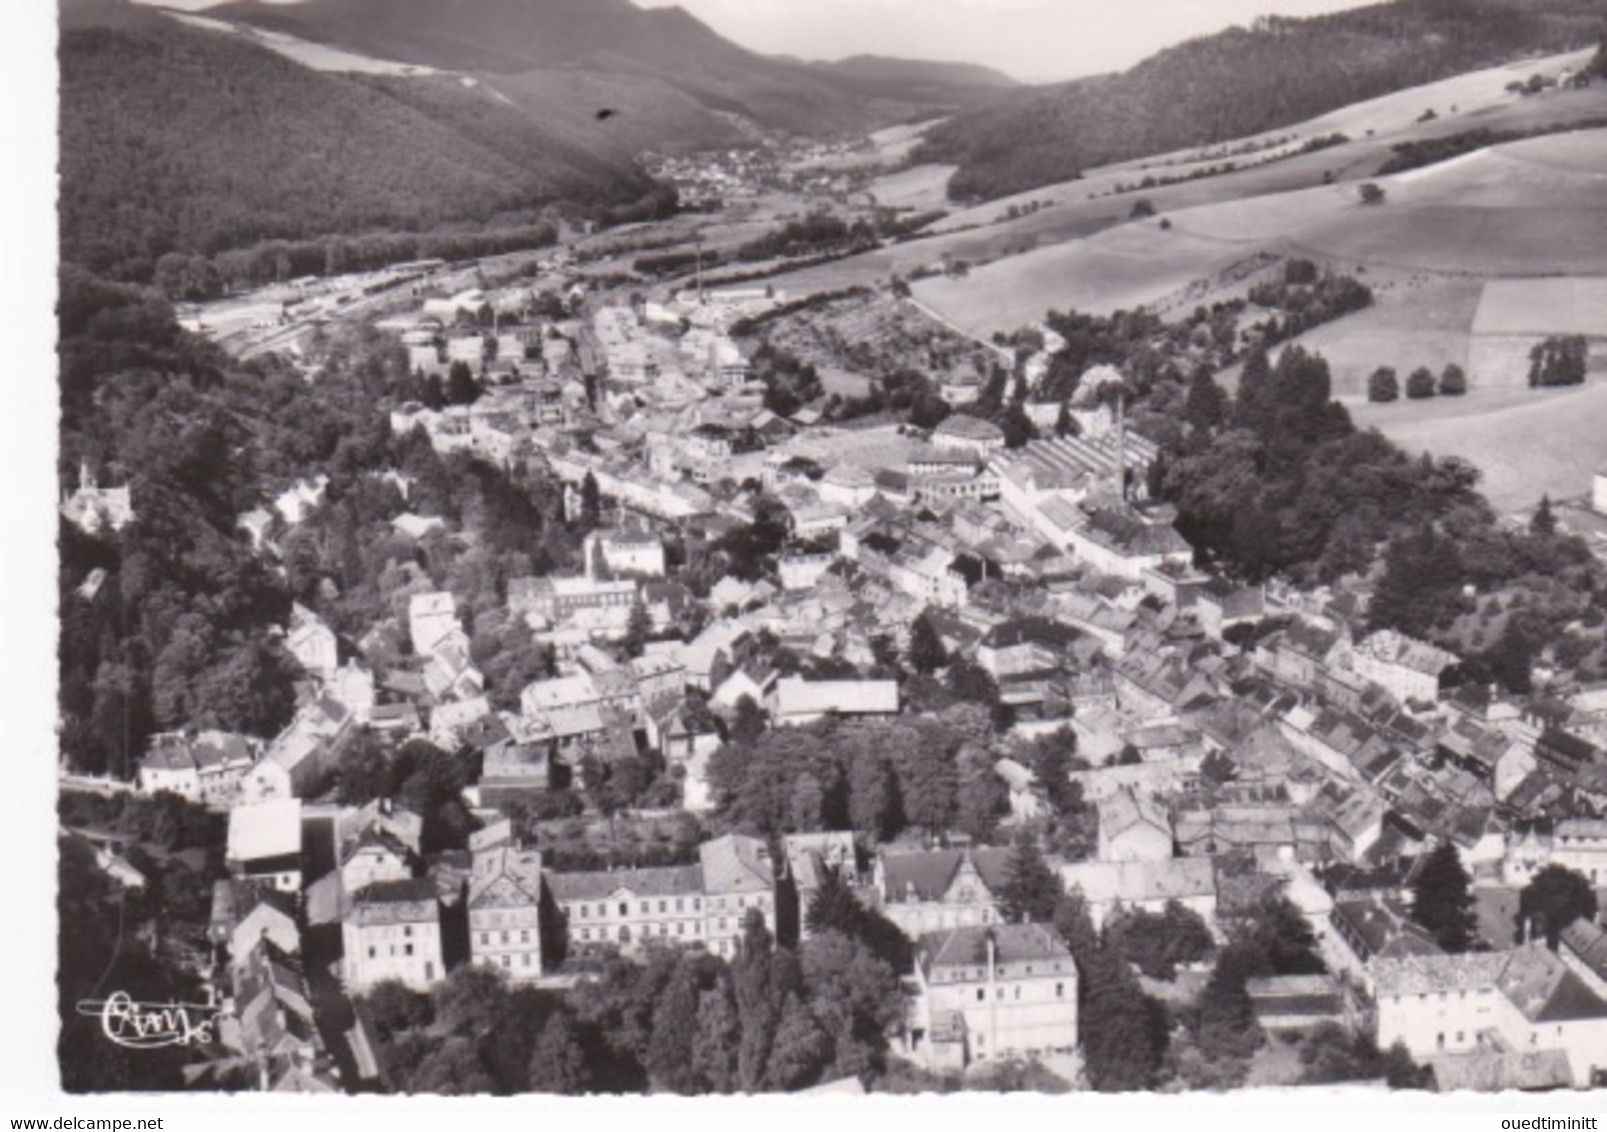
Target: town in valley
<point>843,624</point>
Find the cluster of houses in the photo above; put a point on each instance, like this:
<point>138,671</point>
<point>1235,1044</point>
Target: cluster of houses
<point>1235,740</point>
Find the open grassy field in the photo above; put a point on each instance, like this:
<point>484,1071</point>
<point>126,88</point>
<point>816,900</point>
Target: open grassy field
<point>1118,269</point>
<point>1532,207</point>
<point>1071,212</point>
<point>1527,442</point>
<point>895,143</point>
<point>1416,320</point>
<point>920,187</point>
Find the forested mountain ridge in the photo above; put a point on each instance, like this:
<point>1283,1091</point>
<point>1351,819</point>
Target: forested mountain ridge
<point>1242,82</point>
<point>197,139</point>
<point>180,139</point>
<point>617,41</point>
<point>876,74</point>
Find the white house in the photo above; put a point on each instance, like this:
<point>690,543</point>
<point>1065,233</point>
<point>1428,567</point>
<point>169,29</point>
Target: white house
<point>393,931</point>
<point>1405,668</point>
<point>624,551</point>
<point>1133,827</point>
<point>505,910</point>
<point>312,642</point>
<point>430,618</point>
<point>264,843</point>
<point>206,768</point>
<point>928,890</point>
<point>1525,999</point>
<point>981,993</point>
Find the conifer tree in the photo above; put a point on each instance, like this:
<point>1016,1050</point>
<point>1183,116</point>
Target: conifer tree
<point>1031,890</point>
<point>926,651</point>
<point>558,1064</point>
<point>1442,899</point>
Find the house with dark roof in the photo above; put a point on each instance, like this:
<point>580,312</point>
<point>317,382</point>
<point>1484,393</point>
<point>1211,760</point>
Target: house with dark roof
<point>1124,543</point>
<point>1376,927</point>
<point>271,1025</point>
<point>927,890</point>
<point>504,907</point>
<point>1583,946</point>
<point>393,931</point>
<point>203,768</point>
<point>1028,644</point>
<point>988,993</point>
<point>1294,1003</point>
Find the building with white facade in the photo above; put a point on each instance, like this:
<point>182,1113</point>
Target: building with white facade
<point>264,843</point>
<point>625,551</point>
<point>626,908</point>
<point>929,890</point>
<point>738,878</point>
<point>505,910</point>
<point>206,768</point>
<point>985,993</point>
<point>430,617</point>
<point>393,931</point>
<point>1405,668</point>
<point>1526,999</point>
<point>962,433</point>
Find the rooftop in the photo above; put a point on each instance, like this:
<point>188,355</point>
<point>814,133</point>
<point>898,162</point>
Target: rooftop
<point>267,829</point>
<point>926,874</point>
<point>796,696</point>
<point>734,863</point>
<point>1012,943</point>
<point>675,880</point>
<point>968,428</point>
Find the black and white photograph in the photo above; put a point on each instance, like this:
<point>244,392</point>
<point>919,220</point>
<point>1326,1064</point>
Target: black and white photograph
<point>833,548</point>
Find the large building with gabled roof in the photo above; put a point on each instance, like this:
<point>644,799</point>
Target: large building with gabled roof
<point>505,910</point>
<point>986,993</point>
<point>393,931</point>
<point>1526,998</point>
<point>928,890</point>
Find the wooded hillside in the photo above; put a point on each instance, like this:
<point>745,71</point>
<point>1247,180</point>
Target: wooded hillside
<point>1242,82</point>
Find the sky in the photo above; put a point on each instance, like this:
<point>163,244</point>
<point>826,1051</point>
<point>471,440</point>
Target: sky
<point>1030,40</point>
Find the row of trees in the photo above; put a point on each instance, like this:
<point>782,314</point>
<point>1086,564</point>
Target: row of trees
<point>1384,384</point>
<point>772,1019</point>
<point>1559,360</point>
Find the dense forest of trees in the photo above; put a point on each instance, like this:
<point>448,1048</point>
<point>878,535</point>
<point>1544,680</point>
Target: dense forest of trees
<point>772,1019</point>
<point>175,139</point>
<point>1559,360</point>
<point>1286,484</point>
<point>1241,82</point>
<point>1431,151</point>
<point>877,779</point>
<point>182,632</point>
